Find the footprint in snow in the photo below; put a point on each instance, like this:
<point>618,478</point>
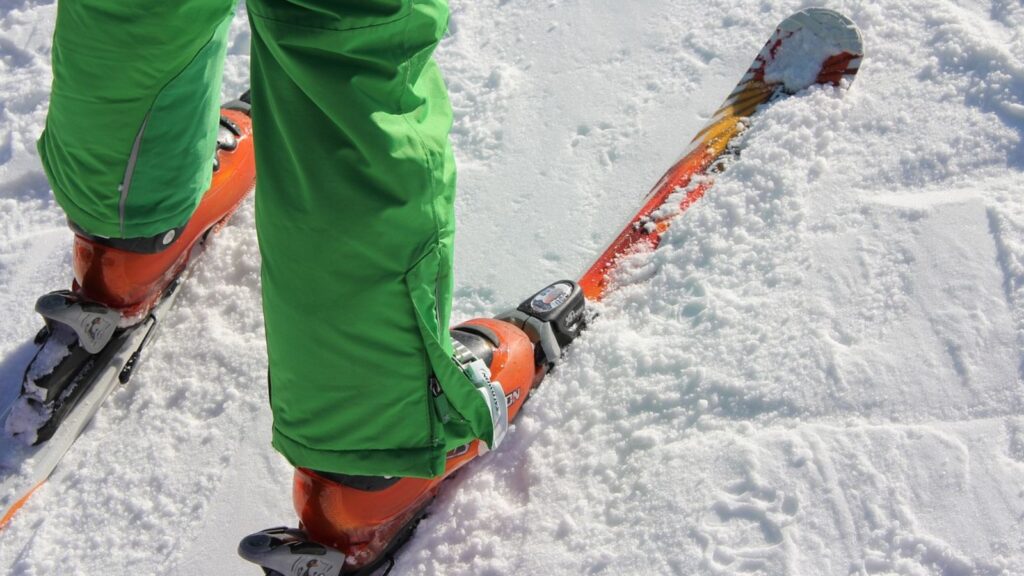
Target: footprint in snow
<point>743,532</point>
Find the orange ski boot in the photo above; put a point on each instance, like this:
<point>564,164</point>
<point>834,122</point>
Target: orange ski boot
<point>367,518</point>
<point>130,275</point>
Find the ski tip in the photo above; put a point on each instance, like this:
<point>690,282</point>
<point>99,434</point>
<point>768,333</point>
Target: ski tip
<point>813,46</point>
<point>828,25</point>
<point>816,46</point>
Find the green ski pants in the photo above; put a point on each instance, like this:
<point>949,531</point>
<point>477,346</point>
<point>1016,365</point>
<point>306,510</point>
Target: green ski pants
<point>354,206</point>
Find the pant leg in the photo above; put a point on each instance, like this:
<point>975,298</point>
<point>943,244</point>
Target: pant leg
<point>131,129</point>
<point>355,216</point>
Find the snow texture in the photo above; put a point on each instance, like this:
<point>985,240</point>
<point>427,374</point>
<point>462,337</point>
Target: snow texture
<point>819,372</point>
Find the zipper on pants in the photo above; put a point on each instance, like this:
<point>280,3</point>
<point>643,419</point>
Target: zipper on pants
<point>129,172</point>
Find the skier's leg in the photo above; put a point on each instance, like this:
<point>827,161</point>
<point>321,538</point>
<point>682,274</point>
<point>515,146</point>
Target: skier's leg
<point>372,402</point>
<point>132,123</point>
<point>130,138</point>
<point>367,517</point>
<point>355,219</point>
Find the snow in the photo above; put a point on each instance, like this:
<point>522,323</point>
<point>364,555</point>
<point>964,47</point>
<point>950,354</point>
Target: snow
<point>26,418</point>
<point>819,372</point>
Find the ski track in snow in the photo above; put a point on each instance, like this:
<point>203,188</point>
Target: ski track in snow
<point>821,370</point>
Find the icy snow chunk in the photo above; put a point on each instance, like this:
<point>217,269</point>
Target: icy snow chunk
<point>29,412</point>
<point>25,419</point>
<point>57,347</point>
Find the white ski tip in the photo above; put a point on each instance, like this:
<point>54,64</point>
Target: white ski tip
<point>813,46</point>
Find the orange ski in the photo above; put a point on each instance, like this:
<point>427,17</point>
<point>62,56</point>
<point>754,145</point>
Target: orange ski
<point>714,146</point>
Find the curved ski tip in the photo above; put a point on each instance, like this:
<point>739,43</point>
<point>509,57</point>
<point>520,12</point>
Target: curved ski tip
<point>828,24</point>
<point>813,46</point>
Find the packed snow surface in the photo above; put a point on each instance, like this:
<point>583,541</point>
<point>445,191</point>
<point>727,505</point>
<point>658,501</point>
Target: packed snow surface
<point>819,372</point>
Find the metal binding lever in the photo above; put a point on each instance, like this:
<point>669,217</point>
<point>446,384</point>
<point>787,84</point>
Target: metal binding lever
<point>552,318</point>
<point>286,551</point>
<point>93,323</point>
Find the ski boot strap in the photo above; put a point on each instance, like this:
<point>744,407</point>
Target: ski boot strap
<point>479,373</point>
